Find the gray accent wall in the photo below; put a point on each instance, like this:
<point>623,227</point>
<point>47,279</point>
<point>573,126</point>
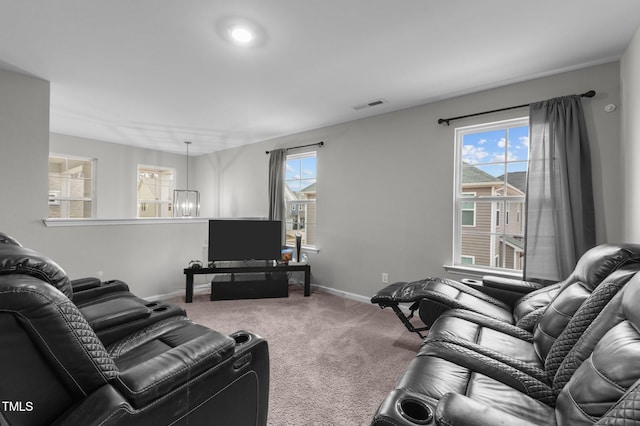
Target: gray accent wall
<point>385,183</point>
<point>384,190</point>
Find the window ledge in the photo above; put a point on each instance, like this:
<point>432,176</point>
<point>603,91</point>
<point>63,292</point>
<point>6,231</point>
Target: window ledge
<point>479,272</point>
<point>105,222</point>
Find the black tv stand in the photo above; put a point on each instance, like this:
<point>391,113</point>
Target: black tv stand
<point>246,267</point>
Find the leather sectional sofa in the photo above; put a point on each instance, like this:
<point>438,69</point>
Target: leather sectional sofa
<point>577,363</point>
<point>87,352</point>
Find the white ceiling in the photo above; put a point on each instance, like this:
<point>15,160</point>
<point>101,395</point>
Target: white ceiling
<point>154,73</point>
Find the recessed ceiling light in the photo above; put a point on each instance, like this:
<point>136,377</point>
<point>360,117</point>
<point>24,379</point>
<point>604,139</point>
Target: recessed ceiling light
<point>241,35</point>
<point>241,31</point>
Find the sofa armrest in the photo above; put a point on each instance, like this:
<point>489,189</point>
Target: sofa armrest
<point>143,382</point>
<point>459,410</point>
<point>82,284</point>
<point>105,288</point>
<point>510,284</point>
<point>114,312</point>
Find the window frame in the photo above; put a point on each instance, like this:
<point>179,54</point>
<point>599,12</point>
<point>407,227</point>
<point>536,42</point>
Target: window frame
<point>57,200</point>
<point>289,203</point>
<point>459,198</point>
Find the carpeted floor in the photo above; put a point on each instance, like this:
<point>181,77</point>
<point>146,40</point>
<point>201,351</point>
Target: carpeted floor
<point>332,360</point>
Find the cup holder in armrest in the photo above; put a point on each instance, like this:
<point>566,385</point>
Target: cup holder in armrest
<point>415,411</point>
<point>241,338</point>
<point>156,306</point>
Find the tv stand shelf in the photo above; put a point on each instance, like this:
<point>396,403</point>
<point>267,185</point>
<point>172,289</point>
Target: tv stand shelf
<point>190,272</point>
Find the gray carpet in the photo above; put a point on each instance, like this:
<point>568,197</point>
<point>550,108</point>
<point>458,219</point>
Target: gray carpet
<point>333,360</point>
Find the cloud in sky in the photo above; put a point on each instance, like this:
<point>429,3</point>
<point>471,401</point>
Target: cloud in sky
<point>496,146</point>
<point>472,154</point>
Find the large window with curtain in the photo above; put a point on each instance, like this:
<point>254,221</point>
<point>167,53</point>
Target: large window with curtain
<point>490,189</point>
<point>300,198</point>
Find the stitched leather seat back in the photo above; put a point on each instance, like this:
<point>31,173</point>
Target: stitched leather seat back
<point>557,316</point>
<point>580,321</point>
<point>49,355</point>
<point>596,264</point>
<point>611,368</point>
<point>536,299</point>
<point>15,259</point>
<point>588,276</point>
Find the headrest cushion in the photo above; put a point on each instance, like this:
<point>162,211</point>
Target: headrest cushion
<point>597,263</point>
<point>15,259</point>
<point>6,239</point>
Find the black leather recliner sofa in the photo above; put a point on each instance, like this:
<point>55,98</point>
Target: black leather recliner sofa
<point>513,301</point>
<point>56,369</point>
<point>578,365</point>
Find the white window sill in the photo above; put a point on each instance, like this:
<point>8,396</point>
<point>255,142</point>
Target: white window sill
<point>141,221</point>
<point>479,272</point>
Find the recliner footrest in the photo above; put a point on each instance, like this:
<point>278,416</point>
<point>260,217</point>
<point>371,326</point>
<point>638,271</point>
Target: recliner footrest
<point>403,292</point>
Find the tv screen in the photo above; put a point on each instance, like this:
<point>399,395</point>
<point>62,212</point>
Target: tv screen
<point>244,239</point>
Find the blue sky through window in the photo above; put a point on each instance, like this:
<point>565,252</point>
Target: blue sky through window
<point>300,172</point>
<point>492,151</point>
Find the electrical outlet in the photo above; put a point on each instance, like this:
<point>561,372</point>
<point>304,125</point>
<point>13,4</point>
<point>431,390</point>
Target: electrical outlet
<point>385,278</point>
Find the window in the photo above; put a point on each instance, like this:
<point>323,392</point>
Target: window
<point>300,198</point>
<point>155,191</point>
<point>71,187</point>
<point>468,214</point>
<point>467,260</point>
<point>491,166</point>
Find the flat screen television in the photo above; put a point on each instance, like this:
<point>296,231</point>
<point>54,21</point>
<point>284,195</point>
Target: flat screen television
<point>244,239</point>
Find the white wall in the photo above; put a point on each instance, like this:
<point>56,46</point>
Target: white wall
<point>24,141</point>
<point>385,187</point>
<point>630,77</point>
<point>385,183</point>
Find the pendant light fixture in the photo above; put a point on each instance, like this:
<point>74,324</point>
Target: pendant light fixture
<point>186,203</point>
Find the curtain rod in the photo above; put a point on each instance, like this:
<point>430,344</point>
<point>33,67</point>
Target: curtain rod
<point>301,146</point>
<point>589,94</point>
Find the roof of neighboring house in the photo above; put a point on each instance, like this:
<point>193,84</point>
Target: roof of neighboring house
<point>474,175</point>
<point>310,188</point>
<point>513,241</point>
<point>517,179</point>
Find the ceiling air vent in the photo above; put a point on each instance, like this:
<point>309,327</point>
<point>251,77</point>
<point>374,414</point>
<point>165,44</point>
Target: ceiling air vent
<point>370,104</point>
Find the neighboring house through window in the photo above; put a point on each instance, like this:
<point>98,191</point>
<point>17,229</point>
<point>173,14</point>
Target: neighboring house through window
<point>468,210</point>
<point>155,191</point>
<point>300,198</point>
<point>71,187</point>
<point>491,165</point>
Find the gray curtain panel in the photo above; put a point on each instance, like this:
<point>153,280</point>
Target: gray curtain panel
<point>560,223</point>
<point>277,159</point>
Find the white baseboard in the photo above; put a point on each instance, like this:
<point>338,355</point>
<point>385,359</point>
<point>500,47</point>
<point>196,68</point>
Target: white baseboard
<point>180,292</point>
<point>341,293</point>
